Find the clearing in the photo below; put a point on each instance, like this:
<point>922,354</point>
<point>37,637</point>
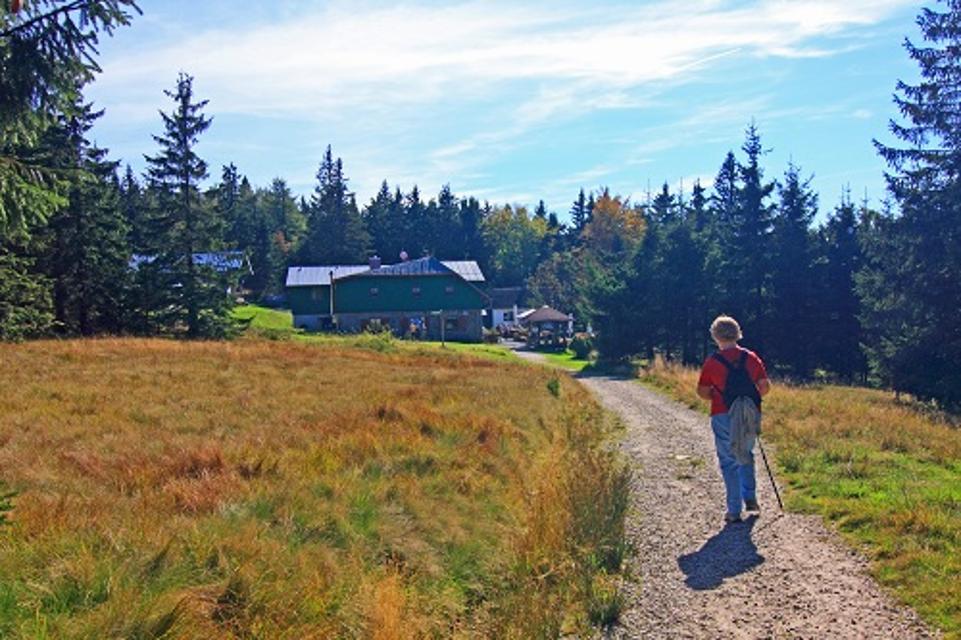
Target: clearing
<point>300,489</point>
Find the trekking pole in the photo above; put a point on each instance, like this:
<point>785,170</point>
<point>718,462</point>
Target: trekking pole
<point>769,474</point>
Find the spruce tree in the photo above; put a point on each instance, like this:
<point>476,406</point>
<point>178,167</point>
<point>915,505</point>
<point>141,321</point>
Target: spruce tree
<point>377,216</point>
<point>579,215</point>
<point>336,233</point>
<point>793,318</point>
<point>46,53</point>
<point>839,331</point>
<point>133,204</point>
<point>924,290</point>
<point>445,222</point>
<point>192,295</point>
<point>416,216</point>
<point>88,254</point>
<point>26,301</point>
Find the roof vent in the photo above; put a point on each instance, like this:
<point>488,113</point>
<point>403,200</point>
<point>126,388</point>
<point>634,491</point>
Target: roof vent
<point>375,262</point>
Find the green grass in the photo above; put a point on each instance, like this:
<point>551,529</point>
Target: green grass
<point>886,475</point>
<point>277,324</point>
<point>265,319</point>
<point>566,360</point>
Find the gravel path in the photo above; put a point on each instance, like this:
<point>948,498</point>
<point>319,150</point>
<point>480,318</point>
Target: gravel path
<point>773,576</point>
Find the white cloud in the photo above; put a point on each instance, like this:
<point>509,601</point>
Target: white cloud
<point>490,71</point>
<point>383,59</point>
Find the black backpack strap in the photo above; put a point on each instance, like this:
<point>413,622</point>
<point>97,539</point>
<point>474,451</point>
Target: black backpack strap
<point>743,360</point>
<point>717,356</point>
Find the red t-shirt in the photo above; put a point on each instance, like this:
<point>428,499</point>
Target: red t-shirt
<point>714,374</point>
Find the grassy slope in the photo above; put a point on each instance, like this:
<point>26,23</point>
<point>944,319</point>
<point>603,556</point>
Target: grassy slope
<point>888,476</point>
<point>278,324</point>
<point>566,360</point>
<point>282,489</point>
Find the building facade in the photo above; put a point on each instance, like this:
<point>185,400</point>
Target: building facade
<point>424,298</point>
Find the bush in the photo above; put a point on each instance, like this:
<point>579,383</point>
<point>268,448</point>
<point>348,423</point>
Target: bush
<point>582,345</point>
<point>491,336</point>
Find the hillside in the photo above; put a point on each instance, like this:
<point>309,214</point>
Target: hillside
<point>269,489</point>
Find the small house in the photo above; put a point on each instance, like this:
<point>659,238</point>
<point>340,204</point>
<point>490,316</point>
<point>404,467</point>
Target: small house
<point>547,327</point>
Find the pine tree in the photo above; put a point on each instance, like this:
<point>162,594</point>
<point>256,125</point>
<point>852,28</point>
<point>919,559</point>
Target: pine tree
<point>336,233</point>
<point>541,210</point>
<point>26,305</point>
<point>133,204</point>
<point>416,216</point>
<point>792,295</point>
<point>839,332</point>
<point>377,218</point>
<point>471,224</point>
<point>46,54</point>
<point>920,352</point>
<point>445,222</point>
<point>236,229</point>
<point>580,215</point>
<point>752,233</point>
<point>88,252</point>
<point>193,295</point>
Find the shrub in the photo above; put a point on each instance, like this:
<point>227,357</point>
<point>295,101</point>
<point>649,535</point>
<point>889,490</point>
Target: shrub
<point>582,345</point>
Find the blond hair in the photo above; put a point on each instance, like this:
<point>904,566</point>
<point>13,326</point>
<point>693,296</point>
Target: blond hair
<point>726,329</point>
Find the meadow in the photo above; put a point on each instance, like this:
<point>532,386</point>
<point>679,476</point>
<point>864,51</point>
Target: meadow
<point>886,473</point>
<point>301,488</point>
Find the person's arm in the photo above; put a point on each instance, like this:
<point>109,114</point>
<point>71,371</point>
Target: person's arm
<point>763,386</point>
<point>704,384</point>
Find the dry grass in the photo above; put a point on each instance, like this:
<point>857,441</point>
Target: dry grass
<point>886,473</point>
<point>281,489</point>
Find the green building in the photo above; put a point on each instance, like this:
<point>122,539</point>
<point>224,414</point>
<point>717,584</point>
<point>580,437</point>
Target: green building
<point>430,298</point>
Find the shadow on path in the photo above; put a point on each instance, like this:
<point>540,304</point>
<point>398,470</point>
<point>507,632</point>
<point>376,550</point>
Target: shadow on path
<point>729,552</point>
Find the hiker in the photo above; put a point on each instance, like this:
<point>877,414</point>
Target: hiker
<point>734,377</point>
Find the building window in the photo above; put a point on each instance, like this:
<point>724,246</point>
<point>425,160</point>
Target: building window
<point>451,324</point>
<point>316,294</point>
<point>374,291</point>
<point>415,291</point>
<point>449,289</point>
<point>508,316</point>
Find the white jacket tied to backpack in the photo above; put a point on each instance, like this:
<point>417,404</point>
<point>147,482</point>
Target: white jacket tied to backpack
<point>745,428</point>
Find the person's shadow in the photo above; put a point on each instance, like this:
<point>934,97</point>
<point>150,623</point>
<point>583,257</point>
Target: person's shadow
<point>728,553</point>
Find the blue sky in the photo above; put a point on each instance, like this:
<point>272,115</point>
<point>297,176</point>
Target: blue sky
<point>513,102</point>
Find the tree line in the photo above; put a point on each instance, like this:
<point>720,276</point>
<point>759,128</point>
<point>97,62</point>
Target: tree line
<point>854,293</point>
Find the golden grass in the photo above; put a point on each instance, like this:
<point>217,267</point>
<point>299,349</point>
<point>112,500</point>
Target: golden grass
<point>282,489</point>
<point>887,474</point>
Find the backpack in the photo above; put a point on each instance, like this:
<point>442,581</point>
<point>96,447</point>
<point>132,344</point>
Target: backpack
<point>739,383</point>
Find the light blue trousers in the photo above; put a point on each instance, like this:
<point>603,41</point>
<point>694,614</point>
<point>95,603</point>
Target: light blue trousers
<point>739,481</point>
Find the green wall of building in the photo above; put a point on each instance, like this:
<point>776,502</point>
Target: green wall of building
<point>354,294</point>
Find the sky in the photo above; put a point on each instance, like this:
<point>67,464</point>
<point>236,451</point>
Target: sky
<point>514,102</point>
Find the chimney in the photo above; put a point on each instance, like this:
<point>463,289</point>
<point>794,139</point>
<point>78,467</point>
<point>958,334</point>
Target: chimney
<point>375,262</point>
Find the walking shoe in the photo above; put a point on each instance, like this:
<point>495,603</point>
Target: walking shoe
<point>751,505</point>
<point>732,517</point>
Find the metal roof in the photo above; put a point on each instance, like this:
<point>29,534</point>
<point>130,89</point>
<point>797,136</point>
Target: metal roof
<point>467,269</point>
<point>220,260</point>
<point>320,275</point>
<point>421,267</point>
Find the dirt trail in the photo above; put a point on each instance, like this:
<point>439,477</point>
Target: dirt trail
<point>775,576</point>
